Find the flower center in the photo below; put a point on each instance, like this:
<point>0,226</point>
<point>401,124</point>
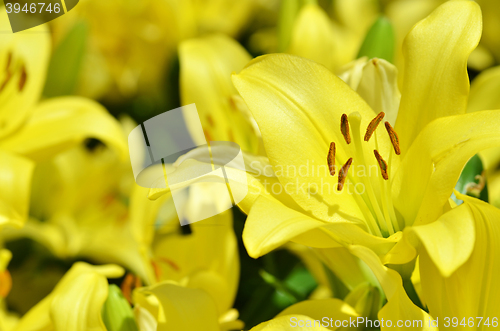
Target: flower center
<point>375,199</point>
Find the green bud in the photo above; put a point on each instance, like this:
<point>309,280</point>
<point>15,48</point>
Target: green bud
<point>117,313</point>
<point>379,41</point>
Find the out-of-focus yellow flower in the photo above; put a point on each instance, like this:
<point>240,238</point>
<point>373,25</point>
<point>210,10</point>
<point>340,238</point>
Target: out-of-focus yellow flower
<point>132,45</point>
<point>304,316</point>
<point>205,259</point>
<point>31,130</point>
<point>75,303</point>
<point>206,65</point>
<point>284,91</point>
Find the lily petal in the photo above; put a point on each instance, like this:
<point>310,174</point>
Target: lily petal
<point>449,241</point>
<point>435,80</point>
<point>399,306</point>
<point>25,57</point>
<point>471,290</point>
<point>15,180</point>
<point>75,303</point>
<point>313,36</point>
<point>205,77</point>
<point>431,168</point>
<point>183,308</point>
<point>61,123</point>
<point>484,91</point>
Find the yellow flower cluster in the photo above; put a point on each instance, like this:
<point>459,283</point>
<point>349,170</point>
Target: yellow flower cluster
<point>371,154</point>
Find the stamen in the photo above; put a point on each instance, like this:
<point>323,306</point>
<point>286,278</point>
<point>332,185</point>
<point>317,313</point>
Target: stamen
<point>373,125</point>
<point>382,164</point>
<point>394,138</point>
<point>331,159</point>
<point>344,128</point>
<point>343,174</point>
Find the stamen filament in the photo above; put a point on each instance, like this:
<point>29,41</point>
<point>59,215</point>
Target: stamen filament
<point>344,128</point>
<point>356,119</point>
<point>331,159</point>
<point>394,138</point>
<point>373,125</point>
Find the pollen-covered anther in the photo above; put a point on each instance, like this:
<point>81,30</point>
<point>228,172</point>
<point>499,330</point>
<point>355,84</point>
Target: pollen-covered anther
<point>394,138</point>
<point>344,128</point>
<point>373,125</point>
<point>343,174</point>
<point>331,159</point>
<point>382,164</point>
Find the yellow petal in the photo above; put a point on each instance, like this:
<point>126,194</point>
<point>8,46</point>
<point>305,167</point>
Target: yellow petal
<point>404,14</point>
<point>290,323</point>
<point>484,91</point>
<point>472,290</point>
<point>76,301</point>
<point>317,309</point>
<point>271,224</point>
<point>183,308</point>
<point>399,307</point>
<point>431,168</point>
<point>313,36</point>
<point>449,240</point>
<point>61,123</point>
<point>435,81</point>
<point>298,105</point>
<point>376,81</point>
<point>205,78</point>
<point>15,180</point>
<point>207,259</point>
<point>21,82</point>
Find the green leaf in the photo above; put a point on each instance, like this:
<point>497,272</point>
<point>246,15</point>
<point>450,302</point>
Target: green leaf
<point>379,41</point>
<point>66,62</point>
<point>472,181</point>
<point>117,314</point>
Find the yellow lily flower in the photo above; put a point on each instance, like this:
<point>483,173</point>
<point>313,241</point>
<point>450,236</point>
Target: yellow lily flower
<point>28,127</point>
<point>289,92</point>
<point>206,65</point>
<point>132,45</point>
<point>75,303</point>
<point>205,259</point>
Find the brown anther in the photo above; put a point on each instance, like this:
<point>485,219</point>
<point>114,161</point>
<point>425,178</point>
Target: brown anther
<point>394,138</point>
<point>129,283</point>
<point>22,79</point>
<point>343,174</point>
<point>382,164</point>
<point>331,159</point>
<point>373,125</point>
<point>344,128</point>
